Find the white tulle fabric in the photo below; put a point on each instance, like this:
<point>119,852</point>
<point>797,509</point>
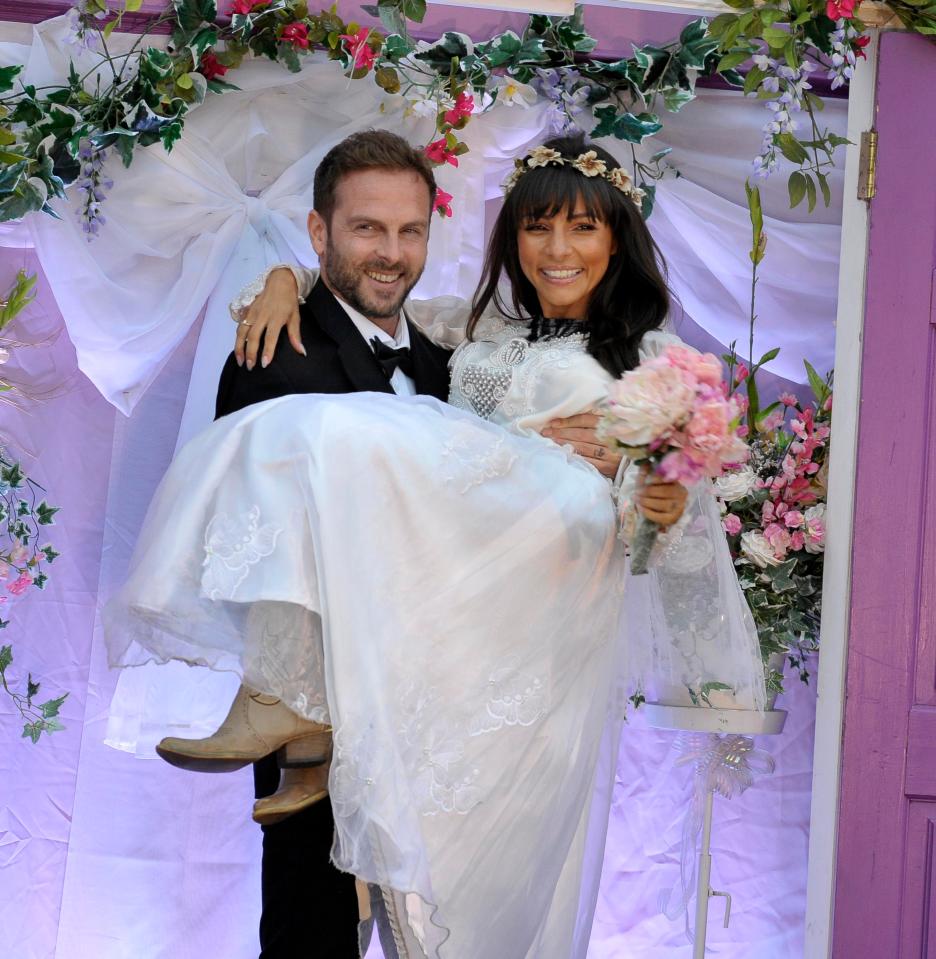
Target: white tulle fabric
<point>444,586</point>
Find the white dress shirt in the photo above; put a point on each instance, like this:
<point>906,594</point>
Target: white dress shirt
<point>401,383</point>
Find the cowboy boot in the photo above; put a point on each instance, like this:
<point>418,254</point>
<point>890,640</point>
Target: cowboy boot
<point>256,725</point>
<point>299,788</point>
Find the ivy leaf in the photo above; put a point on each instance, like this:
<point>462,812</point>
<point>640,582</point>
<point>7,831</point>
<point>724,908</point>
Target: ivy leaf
<point>191,14</point>
<point>7,76</point>
<point>203,40</point>
<point>6,657</point>
<point>396,47</point>
<point>32,687</point>
<point>635,127</point>
<point>452,44</point>
<point>652,63</point>
<point>33,730</point>
<point>649,198</point>
<point>606,117</point>
<point>51,707</point>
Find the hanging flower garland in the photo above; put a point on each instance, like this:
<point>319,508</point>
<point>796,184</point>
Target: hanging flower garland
<point>53,137</point>
<point>24,556</point>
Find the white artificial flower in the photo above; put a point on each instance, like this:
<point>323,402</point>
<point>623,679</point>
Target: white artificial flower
<point>733,486</point>
<point>756,548</point>
<point>514,93</point>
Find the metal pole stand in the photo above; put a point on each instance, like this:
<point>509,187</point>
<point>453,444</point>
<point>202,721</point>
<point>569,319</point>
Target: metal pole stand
<point>700,719</point>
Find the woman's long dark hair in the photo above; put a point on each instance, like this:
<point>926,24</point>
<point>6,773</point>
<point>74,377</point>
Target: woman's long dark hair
<point>632,297</point>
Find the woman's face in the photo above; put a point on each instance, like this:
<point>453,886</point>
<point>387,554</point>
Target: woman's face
<point>565,258</point>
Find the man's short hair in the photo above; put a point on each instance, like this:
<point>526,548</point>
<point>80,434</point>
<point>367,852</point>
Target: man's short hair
<point>367,150</point>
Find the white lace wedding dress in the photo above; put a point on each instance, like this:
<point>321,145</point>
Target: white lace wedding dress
<point>444,586</point>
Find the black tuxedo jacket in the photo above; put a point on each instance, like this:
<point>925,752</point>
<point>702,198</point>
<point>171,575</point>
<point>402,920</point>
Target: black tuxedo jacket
<point>310,909</point>
<point>339,361</point>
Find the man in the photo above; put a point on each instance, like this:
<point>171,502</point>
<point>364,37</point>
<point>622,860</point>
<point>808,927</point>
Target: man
<point>373,197</point>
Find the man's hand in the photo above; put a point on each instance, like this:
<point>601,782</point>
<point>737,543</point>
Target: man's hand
<point>277,306</point>
<point>659,501</point>
<point>580,433</point>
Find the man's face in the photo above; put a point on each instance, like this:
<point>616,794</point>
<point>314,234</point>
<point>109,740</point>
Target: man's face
<point>373,251</point>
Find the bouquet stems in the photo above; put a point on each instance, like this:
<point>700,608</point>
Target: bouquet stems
<point>644,537</point>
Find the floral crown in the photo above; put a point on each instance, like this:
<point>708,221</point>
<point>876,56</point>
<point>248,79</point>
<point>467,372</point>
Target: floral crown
<point>588,164</point>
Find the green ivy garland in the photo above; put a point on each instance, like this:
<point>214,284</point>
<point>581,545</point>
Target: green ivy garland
<point>51,137</point>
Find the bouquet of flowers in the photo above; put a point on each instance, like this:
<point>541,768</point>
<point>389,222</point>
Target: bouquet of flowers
<point>774,514</point>
<point>674,413</point>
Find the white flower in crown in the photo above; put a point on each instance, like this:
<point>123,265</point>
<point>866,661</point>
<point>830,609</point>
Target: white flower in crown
<point>589,164</point>
<point>543,156</point>
<point>637,195</point>
<point>620,179</point>
<point>515,174</point>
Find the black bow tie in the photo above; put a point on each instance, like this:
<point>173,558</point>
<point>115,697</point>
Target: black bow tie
<point>391,359</point>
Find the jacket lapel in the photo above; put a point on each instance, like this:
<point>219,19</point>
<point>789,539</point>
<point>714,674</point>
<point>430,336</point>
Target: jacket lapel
<point>355,354</point>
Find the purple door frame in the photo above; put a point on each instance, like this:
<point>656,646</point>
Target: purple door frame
<point>885,893</point>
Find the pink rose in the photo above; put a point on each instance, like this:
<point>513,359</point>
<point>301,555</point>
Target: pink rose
<point>19,586</point>
<point>793,519</point>
<point>731,524</point>
<point>708,428</point>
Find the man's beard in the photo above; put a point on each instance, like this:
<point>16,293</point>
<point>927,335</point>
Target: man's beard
<point>347,279</point>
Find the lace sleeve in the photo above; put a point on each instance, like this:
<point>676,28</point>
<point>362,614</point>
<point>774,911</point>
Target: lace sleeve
<point>443,318</point>
<point>305,280</point>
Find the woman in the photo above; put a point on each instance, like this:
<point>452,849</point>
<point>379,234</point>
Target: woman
<point>465,644</point>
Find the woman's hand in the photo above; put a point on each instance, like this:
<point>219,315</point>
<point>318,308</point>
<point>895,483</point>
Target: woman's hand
<point>580,433</point>
<point>277,306</point>
<point>661,502</point>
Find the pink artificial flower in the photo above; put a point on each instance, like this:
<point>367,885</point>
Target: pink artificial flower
<point>210,67</point>
<point>296,33</point>
<point>768,512</point>
<point>797,540</point>
<point>442,203</point>
<point>858,45</point>
<point>438,152</point>
<point>19,586</point>
<point>731,524</point>
<point>362,56</point>
<point>773,421</point>
<point>464,107</point>
<point>788,399</point>
<point>741,373</point>
<point>793,519</point>
<point>242,6</point>
<point>743,403</point>
<point>812,469</point>
<point>19,554</point>
<point>4,570</point>
<point>778,538</point>
<point>840,9</point>
<point>827,406</point>
<point>815,528</point>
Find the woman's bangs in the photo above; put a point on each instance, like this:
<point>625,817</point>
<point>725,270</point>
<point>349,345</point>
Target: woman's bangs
<point>547,191</point>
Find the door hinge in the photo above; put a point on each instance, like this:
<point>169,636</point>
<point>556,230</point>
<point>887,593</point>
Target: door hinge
<point>867,165</point>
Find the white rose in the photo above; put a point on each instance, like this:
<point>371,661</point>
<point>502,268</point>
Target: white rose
<point>758,550</point>
<point>735,485</point>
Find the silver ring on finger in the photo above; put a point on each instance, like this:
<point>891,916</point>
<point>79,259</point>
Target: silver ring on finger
<point>245,322</point>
